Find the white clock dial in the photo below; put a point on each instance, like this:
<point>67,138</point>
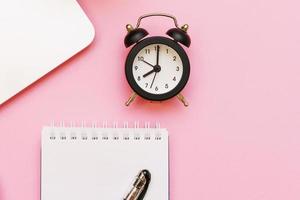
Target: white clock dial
<point>161,77</point>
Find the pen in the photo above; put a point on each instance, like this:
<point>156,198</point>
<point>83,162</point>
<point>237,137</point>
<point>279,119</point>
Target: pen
<point>140,186</point>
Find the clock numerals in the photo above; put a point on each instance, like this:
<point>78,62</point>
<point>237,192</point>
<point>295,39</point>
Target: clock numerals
<point>157,69</point>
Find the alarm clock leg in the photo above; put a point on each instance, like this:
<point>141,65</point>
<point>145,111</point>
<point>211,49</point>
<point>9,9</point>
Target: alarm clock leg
<point>182,99</point>
<point>131,99</point>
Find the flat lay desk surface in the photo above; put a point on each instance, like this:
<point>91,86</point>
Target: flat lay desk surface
<point>239,139</point>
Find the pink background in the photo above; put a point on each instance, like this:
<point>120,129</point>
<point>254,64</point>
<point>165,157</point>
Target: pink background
<point>240,137</point>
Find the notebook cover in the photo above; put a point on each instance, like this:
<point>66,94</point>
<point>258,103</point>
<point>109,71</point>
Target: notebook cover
<point>97,163</point>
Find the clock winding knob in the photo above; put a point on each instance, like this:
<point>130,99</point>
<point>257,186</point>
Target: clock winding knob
<point>185,27</point>
<point>129,28</point>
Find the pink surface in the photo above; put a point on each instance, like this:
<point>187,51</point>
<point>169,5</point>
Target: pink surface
<point>238,140</point>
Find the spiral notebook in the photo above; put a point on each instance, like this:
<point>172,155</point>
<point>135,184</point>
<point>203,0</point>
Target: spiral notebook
<point>101,163</point>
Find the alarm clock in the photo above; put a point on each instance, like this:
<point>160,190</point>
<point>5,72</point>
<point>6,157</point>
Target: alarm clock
<point>157,68</point>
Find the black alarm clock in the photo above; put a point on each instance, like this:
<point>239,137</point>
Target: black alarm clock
<point>157,68</point>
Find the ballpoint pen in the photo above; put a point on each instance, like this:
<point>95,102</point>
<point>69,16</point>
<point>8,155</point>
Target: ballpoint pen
<point>140,186</point>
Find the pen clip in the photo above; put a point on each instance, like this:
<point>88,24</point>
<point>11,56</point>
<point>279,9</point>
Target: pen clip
<point>140,186</point>
<point>144,191</point>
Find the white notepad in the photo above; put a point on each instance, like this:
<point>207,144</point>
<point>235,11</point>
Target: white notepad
<point>101,163</point>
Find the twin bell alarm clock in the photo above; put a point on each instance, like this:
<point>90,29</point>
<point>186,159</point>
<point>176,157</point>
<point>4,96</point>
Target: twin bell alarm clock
<point>157,68</point>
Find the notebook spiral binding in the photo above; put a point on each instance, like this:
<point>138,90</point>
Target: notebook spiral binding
<point>95,131</point>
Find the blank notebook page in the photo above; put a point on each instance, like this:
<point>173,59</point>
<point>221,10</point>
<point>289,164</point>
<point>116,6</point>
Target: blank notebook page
<point>102,163</point>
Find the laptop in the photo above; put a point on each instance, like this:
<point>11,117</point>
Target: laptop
<point>37,36</point>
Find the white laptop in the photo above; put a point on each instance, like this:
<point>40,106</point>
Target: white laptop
<point>36,36</point>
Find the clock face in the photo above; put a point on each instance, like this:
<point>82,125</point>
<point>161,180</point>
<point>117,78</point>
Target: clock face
<point>157,68</point>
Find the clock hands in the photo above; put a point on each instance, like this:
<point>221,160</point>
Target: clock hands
<point>157,68</point>
<point>157,54</point>
<point>147,63</point>
<point>153,79</point>
<point>148,73</point>
<point>157,58</point>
